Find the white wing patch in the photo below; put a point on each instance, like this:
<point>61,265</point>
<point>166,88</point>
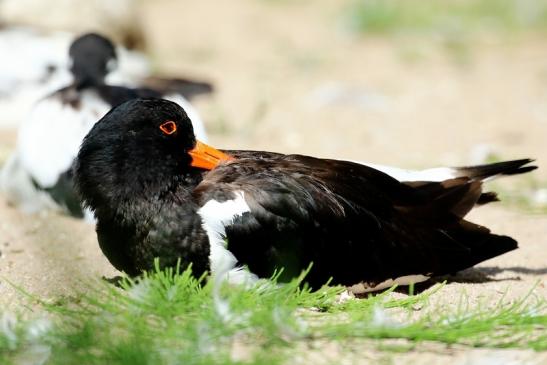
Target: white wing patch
<point>434,174</point>
<point>216,216</point>
<point>403,280</point>
<point>49,139</point>
<point>197,122</point>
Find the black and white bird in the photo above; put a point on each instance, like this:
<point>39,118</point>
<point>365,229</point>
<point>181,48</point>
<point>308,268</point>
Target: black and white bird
<point>158,192</point>
<point>35,64</point>
<point>38,174</point>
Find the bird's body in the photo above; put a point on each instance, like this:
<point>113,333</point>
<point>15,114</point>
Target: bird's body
<point>246,214</point>
<point>38,174</point>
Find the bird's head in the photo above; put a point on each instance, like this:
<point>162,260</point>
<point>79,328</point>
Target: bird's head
<point>141,147</point>
<point>92,58</point>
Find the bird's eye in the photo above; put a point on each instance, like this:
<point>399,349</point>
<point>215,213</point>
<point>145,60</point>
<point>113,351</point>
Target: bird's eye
<point>168,127</point>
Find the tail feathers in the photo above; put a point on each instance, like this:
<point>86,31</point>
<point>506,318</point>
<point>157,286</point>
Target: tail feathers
<point>459,199</point>
<point>483,172</point>
<point>479,245</point>
<point>488,197</point>
<point>447,250</point>
<point>445,202</point>
<point>493,170</point>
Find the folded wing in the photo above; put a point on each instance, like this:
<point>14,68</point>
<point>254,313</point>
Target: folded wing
<point>355,223</point>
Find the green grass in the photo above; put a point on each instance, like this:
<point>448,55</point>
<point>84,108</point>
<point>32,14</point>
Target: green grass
<point>173,318</point>
<point>448,16</point>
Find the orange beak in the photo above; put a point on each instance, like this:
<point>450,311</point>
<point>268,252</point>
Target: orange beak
<point>207,157</point>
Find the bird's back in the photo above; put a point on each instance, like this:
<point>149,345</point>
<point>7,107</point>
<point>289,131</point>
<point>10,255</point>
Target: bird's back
<point>354,223</point>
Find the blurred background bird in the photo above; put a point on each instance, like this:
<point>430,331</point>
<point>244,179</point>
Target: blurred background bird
<point>37,175</point>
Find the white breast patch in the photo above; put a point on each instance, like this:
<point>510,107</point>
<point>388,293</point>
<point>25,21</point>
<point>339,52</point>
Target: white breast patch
<point>216,216</point>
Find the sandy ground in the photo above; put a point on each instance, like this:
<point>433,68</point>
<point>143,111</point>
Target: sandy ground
<point>291,78</point>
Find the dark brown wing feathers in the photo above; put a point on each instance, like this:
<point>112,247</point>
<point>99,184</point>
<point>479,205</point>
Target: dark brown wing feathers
<point>355,223</point>
<point>482,172</point>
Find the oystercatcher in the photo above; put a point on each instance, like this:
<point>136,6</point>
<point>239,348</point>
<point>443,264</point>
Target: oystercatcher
<point>36,64</point>
<point>38,175</point>
<point>158,192</point>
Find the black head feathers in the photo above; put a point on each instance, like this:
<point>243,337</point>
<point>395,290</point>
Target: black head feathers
<point>93,57</point>
<point>136,147</point>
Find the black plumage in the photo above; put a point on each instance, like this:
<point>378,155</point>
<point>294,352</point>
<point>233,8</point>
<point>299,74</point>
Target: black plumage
<point>356,224</point>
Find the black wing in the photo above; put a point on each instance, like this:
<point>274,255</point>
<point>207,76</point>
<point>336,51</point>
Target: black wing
<point>185,87</point>
<point>353,222</point>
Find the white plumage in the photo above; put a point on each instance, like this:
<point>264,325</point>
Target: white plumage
<point>216,216</point>
<point>49,139</point>
<point>433,174</point>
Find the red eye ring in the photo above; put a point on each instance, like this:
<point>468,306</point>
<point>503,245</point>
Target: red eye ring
<point>168,127</point>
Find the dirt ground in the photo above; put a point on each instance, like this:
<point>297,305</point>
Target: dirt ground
<point>290,77</point>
